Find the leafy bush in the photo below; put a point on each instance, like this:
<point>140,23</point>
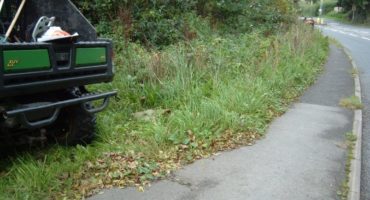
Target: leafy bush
<point>362,9</point>
<point>156,22</point>
<point>163,22</point>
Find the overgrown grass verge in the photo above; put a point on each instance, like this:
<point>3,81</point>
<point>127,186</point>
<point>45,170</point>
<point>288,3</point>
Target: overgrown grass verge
<point>218,92</point>
<point>341,16</point>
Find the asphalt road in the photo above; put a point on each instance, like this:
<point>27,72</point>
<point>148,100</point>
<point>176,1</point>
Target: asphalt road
<point>357,41</point>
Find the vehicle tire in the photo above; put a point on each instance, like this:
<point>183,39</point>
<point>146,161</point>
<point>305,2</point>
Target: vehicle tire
<point>74,126</point>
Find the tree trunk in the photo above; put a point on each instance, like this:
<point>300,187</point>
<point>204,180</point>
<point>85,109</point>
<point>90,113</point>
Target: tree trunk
<point>353,12</point>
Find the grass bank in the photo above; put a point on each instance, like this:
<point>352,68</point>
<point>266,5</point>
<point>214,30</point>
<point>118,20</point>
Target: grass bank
<point>343,18</point>
<point>197,97</point>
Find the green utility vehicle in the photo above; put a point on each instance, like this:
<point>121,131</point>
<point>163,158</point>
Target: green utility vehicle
<point>42,81</point>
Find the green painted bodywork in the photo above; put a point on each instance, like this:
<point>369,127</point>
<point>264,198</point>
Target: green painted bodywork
<point>91,56</point>
<point>25,60</point>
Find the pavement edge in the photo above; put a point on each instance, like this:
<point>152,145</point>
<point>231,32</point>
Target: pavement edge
<point>355,173</point>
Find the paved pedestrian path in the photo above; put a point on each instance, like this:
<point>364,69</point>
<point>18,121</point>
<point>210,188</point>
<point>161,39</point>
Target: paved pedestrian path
<point>302,157</point>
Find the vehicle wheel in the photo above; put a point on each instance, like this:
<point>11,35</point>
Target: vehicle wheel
<point>73,126</point>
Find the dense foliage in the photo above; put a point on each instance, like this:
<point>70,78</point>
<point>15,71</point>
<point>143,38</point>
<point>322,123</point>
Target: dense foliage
<point>162,22</point>
<point>353,10</point>
<point>357,10</point>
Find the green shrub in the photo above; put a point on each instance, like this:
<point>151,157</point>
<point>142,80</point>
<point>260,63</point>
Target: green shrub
<point>163,22</point>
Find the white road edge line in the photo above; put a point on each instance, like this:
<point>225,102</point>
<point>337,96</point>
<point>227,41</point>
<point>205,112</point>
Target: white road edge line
<point>346,33</point>
<point>355,173</point>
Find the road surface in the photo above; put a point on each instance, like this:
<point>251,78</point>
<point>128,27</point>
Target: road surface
<point>357,41</point>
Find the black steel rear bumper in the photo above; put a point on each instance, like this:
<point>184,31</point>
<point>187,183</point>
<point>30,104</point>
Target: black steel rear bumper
<point>21,113</point>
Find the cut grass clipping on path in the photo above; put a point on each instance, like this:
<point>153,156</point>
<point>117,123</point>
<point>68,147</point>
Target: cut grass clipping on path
<point>199,97</point>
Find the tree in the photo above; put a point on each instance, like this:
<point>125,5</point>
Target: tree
<point>357,8</point>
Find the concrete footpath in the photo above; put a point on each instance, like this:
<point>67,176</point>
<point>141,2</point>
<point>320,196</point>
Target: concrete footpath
<point>302,157</point>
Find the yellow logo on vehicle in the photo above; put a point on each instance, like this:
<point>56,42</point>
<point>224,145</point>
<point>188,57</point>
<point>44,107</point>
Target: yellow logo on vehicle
<point>102,58</point>
<point>12,63</point>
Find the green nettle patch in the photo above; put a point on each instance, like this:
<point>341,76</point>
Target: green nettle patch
<point>175,105</point>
